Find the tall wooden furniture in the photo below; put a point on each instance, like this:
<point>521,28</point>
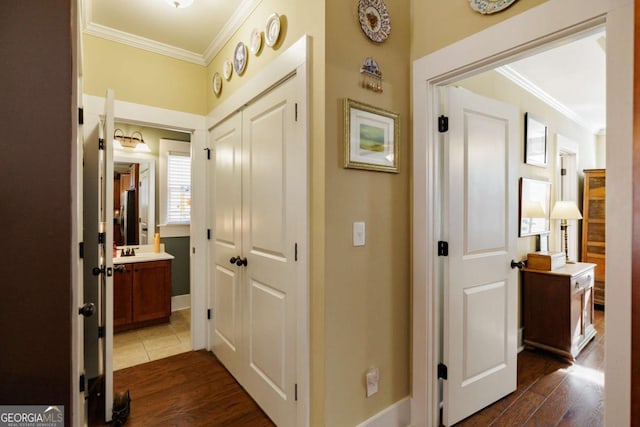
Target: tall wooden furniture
<point>558,308</point>
<point>593,227</point>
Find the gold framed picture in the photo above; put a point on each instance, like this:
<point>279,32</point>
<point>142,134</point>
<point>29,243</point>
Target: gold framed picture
<point>371,137</point>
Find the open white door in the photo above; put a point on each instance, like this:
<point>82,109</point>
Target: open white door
<point>480,286</point>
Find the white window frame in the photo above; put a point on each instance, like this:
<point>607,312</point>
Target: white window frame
<point>167,146</point>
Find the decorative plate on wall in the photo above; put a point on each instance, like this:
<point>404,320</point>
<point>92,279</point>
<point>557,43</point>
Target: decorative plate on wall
<point>374,19</point>
<point>272,31</point>
<point>240,58</point>
<point>255,44</point>
<point>227,69</point>
<point>490,6</point>
<point>217,83</point>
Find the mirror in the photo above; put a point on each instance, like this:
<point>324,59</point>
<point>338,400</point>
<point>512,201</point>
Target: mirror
<point>535,141</point>
<point>133,201</point>
<point>535,201</point>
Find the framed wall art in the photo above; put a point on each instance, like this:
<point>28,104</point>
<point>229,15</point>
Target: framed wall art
<point>535,141</point>
<point>371,137</point>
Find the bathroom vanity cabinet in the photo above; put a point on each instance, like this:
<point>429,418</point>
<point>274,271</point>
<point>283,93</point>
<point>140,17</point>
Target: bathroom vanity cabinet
<point>142,294</point>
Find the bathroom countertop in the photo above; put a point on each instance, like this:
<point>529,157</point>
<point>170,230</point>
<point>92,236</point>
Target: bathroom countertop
<point>144,253</point>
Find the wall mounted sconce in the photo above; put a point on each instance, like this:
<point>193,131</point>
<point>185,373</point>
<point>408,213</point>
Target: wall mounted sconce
<point>121,141</point>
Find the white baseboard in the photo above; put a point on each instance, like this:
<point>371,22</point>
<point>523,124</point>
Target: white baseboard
<point>520,340</point>
<point>180,302</point>
<point>396,415</point>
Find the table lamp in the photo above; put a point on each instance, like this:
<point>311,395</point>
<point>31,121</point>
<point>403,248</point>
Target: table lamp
<point>565,210</point>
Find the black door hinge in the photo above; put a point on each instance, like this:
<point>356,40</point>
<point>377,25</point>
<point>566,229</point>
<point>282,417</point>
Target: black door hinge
<point>208,234</point>
<point>208,150</point>
<point>295,256</point>
<point>442,371</point>
<point>100,144</point>
<point>443,248</point>
<point>563,171</point>
<point>296,392</point>
<point>83,383</point>
<point>208,314</point>
<point>443,124</point>
<point>101,331</point>
<point>81,250</point>
<point>296,113</point>
<point>102,238</point>
<point>80,116</point>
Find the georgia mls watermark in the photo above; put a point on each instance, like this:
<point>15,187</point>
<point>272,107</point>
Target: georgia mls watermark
<point>31,416</point>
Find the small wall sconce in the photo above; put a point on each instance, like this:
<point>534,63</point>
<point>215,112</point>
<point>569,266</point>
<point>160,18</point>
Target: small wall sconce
<point>120,141</point>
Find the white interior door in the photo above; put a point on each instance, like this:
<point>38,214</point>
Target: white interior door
<point>273,173</point>
<point>259,206</point>
<point>226,199</point>
<point>480,287</point>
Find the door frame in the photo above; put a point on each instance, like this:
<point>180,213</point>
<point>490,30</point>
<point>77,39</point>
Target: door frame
<point>293,61</point>
<point>551,22</point>
<point>145,115</point>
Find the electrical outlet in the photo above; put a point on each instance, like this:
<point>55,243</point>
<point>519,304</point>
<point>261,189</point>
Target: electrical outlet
<point>358,233</point>
<point>372,376</point>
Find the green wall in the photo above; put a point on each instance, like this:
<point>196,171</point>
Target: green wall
<point>180,273</point>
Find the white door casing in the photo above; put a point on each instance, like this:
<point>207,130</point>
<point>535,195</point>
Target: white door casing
<point>143,200</point>
<point>258,203</point>
<point>480,287</point>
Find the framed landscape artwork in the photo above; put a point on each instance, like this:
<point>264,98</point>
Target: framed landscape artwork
<point>371,137</point>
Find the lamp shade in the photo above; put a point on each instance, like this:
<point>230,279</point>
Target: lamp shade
<point>565,209</point>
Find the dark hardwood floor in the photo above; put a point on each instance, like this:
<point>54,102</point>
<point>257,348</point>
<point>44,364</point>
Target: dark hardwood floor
<point>552,391</point>
<point>189,389</point>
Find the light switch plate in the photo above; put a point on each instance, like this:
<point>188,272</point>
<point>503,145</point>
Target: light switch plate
<point>358,233</point>
<point>372,381</point>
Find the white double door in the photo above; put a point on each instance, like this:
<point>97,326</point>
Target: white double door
<point>258,196</point>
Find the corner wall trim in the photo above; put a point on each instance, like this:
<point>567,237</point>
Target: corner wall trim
<point>180,302</point>
<point>396,415</point>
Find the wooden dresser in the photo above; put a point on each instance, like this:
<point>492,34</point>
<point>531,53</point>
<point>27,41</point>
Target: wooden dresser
<point>558,308</point>
<point>593,227</point>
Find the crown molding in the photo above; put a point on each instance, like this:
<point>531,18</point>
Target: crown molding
<point>238,17</point>
<point>143,43</point>
<point>536,91</point>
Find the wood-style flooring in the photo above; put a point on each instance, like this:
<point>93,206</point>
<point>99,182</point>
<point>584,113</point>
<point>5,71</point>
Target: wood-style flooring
<point>188,389</point>
<point>552,391</point>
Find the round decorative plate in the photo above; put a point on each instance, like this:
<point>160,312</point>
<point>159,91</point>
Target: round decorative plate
<point>217,83</point>
<point>490,6</point>
<point>374,19</point>
<point>240,58</point>
<point>272,31</point>
<point>227,69</point>
<point>255,44</point>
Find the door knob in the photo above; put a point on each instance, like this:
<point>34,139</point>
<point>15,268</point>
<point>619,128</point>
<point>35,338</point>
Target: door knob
<point>233,260</point>
<point>87,310</point>
<point>518,264</point>
<point>241,261</point>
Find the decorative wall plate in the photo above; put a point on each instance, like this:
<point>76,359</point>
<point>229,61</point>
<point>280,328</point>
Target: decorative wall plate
<point>217,83</point>
<point>490,6</point>
<point>227,69</point>
<point>255,44</point>
<point>374,19</point>
<point>240,58</point>
<point>272,31</point>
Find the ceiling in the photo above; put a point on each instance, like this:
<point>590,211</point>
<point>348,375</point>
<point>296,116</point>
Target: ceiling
<point>571,77</point>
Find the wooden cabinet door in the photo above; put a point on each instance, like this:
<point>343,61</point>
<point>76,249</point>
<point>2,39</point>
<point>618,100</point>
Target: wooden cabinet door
<point>151,290</point>
<point>122,295</point>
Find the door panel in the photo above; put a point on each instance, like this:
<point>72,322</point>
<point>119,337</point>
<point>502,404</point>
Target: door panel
<point>226,334</point>
<point>272,174</point>
<point>480,338</point>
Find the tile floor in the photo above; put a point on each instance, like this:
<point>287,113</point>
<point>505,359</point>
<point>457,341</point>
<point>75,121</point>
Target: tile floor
<point>152,343</point>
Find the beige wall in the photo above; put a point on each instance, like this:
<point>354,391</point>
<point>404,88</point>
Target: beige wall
<point>367,288</point>
<point>142,77</point>
<point>436,24</point>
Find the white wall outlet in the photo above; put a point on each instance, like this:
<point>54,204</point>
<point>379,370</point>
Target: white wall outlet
<point>372,376</point>
<point>358,233</point>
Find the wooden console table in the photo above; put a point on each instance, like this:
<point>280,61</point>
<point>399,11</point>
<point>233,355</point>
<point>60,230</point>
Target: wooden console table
<point>558,308</point>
